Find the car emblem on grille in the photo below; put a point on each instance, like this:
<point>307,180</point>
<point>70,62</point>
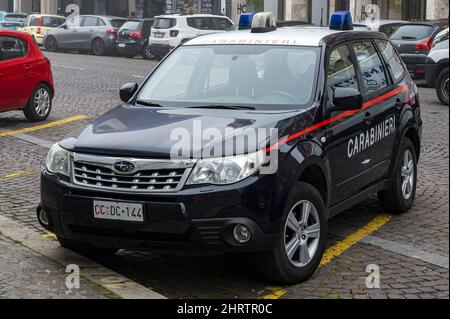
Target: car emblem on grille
<point>124,167</point>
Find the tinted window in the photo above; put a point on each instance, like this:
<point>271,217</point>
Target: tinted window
<point>131,25</point>
<point>117,23</point>
<point>34,21</point>
<point>12,48</point>
<point>164,23</point>
<point>15,17</point>
<point>412,32</point>
<point>388,29</point>
<point>374,78</point>
<point>199,23</point>
<point>341,71</point>
<point>92,22</point>
<point>392,59</point>
<point>52,22</point>
<point>220,24</point>
<point>74,22</point>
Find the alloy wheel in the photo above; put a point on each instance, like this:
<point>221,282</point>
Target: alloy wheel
<point>302,233</point>
<point>407,175</point>
<point>42,102</point>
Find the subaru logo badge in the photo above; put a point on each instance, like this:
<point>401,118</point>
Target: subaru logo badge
<point>124,167</point>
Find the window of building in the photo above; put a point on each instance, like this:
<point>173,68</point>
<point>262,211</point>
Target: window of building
<point>372,68</point>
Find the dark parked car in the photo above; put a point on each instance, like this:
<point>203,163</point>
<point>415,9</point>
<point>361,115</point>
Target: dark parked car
<point>132,38</point>
<point>90,33</point>
<point>413,41</point>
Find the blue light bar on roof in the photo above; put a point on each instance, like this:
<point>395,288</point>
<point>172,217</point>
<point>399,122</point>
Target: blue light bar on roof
<point>341,20</point>
<point>245,20</point>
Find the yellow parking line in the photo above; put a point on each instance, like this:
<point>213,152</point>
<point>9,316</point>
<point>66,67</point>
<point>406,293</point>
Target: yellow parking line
<point>339,248</point>
<point>49,235</point>
<point>16,174</point>
<point>43,126</point>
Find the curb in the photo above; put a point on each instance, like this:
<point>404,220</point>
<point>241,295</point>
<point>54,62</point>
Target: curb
<point>92,271</point>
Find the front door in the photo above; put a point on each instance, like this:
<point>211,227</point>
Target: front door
<point>14,73</point>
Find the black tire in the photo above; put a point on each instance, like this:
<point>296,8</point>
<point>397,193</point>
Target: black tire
<point>98,47</point>
<point>87,249</point>
<point>394,200</point>
<point>51,45</point>
<point>442,83</point>
<point>130,56</point>
<point>35,111</point>
<point>276,265</point>
<point>146,54</point>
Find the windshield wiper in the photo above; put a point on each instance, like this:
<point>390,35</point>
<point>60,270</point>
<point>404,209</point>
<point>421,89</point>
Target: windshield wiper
<point>223,107</point>
<point>147,103</point>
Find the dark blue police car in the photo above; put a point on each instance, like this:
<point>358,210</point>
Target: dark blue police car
<point>344,123</point>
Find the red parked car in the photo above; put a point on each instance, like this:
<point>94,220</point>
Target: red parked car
<point>26,80</point>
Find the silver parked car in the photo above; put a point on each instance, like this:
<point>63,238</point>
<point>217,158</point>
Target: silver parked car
<point>87,33</point>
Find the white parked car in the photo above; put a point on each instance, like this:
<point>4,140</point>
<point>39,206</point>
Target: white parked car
<point>169,31</point>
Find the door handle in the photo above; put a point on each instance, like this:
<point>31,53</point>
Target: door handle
<point>27,67</point>
<point>368,118</point>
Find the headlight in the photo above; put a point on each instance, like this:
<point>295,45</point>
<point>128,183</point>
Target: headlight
<point>58,160</point>
<point>225,170</point>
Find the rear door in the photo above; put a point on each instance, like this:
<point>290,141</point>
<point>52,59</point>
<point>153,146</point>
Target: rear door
<point>161,29</point>
<point>380,112</point>
<point>15,73</point>
<point>90,27</point>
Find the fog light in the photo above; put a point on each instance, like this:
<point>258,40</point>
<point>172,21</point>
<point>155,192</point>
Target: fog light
<point>242,234</point>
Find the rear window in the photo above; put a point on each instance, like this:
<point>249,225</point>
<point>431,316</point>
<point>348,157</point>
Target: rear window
<point>131,25</point>
<point>12,48</point>
<point>200,23</point>
<point>117,23</point>
<point>412,32</point>
<point>164,23</point>
<point>15,17</point>
<point>52,22</point>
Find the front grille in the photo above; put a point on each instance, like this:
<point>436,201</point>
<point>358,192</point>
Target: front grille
<point>145,178</point>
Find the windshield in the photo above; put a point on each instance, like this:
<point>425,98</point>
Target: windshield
<point>260,77</point>
<point>15,17</point>
<point>117,23</point>
<point>412,32</point>
<point>131,25</point>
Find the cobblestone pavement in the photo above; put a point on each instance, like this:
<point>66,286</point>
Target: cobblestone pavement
<point>411,250</point>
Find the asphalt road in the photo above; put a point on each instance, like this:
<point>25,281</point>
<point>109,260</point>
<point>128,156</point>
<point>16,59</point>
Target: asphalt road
<point>411,251</point>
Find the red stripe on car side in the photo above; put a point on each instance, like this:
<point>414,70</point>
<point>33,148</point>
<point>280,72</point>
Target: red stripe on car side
<point>402,88</point>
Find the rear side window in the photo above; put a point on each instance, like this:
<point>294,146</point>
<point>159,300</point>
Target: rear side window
<point>412,32</point>
<point>220,24</point>
<point>12,48</point>
<point>199,23</point>
<point>372,69</point>
<point>164,23</point>
<point>117,23</point>
<point>52,22</point>
<point>34,21</point>
<point>92,22</point>
<point>392,59</point>
<point>341,71</point>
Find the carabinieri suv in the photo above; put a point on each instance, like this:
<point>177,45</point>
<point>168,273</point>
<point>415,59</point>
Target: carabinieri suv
<point>343,122</point>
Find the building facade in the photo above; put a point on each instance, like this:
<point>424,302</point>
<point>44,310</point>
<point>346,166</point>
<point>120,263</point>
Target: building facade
<point>315,11</point>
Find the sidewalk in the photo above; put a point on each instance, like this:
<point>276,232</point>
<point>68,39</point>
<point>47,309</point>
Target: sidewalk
<point>24,274</point>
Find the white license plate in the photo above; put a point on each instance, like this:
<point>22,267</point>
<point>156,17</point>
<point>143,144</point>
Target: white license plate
<point>122,45</point>
<point>118,211</point>
<point>159,35</point>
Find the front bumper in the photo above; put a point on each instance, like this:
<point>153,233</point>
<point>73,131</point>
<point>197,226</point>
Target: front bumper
<point>415,63</point>
<point>431,72</point>
<point>196,221</point>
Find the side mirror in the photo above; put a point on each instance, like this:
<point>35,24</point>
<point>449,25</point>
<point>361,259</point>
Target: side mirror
<point>127,91</point>
<point>346,99</point>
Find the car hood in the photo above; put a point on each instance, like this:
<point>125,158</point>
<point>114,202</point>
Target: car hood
<point>158,132</point>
